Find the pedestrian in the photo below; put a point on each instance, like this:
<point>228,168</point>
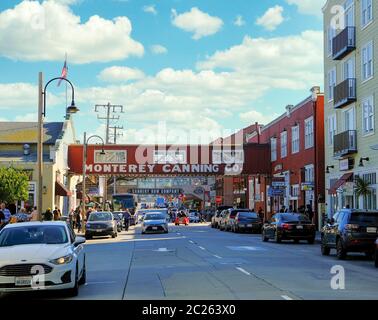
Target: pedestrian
<point>126,219</point>
<point>282,210</point>
<point>71,217</point>
<point>7,213</point>
<point>261,213</point>
<point>48,215</point>
<point>2,219</point>
<point>78,219</point>
<point>309,212</point>
<point>34,215</point>
<point>56,214</point>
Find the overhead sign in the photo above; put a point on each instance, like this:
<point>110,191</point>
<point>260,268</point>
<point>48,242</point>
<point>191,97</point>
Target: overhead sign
<point>278,184</point>
<point>276,192</point>
<point>156,191</point>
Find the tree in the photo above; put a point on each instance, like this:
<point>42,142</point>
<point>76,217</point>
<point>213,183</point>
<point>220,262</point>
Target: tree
<point>362,188</point>
<point>14,184</point>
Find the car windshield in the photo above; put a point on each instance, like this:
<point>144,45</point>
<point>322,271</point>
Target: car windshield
<point>154,216</point>
<point>294,218</point>
<point>33,235</point>
<point>246,215</point>
<point>370,218</point>
<point>100,216</point>
<point>116,216</point>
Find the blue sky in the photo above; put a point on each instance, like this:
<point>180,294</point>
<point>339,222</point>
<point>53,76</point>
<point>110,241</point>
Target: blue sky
<point>210,73</point>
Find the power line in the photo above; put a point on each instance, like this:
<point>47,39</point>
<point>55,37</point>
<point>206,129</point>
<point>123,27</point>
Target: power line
<point>110,110</point>
<point>116,133</point>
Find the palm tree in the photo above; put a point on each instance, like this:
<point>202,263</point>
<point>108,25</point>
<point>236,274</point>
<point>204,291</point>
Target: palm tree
<point>362,188</point>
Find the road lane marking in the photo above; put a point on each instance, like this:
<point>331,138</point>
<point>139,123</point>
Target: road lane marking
<point>191,241</point>
<point>245,248</point>
<point>202,248</point>
<point>287,298</point>
<point>242,270</point>
<point>218,257</point>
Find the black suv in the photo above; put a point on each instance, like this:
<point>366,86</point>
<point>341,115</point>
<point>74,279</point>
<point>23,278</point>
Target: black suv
<point>350,231</point>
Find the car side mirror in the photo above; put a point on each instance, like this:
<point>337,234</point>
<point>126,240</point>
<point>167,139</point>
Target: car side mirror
<point>79,241</point>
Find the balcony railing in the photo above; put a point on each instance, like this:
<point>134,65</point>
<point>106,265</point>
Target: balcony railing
<point>344,93</point>
<point>345,143</point>
<point>344,43</point>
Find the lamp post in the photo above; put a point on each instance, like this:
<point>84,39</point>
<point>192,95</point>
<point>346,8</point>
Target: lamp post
<point>41,115</point>
<point>86,141</point>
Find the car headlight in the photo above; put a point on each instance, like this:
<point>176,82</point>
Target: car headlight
<point>62,260</point>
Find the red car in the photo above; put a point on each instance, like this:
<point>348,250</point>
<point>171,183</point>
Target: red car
<point>182,220</point>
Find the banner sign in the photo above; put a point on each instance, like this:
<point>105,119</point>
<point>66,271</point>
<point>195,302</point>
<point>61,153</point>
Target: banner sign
<point>156,191</point>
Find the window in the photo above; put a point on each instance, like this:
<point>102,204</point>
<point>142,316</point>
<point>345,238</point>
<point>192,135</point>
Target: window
<point>331,83</point>
<point>295,139</point>
<point>350,119</point>
<point>295,191</point>
<point>309,173</point>
<point>367,61</point>
<point>368,115</point>
<point>273,146</point>
<point>349,13</point>
<point>170,156</point>
<point>284,144</point>
<point>349,69</point>
<point>331,33</point>
<point>309,133</point>
<point>332,128</point>
<point>366,12</point>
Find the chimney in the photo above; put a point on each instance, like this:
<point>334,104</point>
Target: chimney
<point>288,110</point>
<point>315,91</point>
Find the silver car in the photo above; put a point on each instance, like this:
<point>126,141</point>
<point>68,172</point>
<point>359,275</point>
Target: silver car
<point>154,222</point>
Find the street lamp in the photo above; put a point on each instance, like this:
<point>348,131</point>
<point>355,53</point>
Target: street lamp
<point>42,93</point>
<point>86,141</point>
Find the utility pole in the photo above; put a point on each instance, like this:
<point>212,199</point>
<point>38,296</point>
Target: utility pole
<point>115,135</point>
<point>40,147</point>
<point>110,110</point>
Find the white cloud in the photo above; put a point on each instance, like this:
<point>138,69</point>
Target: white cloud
<point>255,116</point>
<point>52,26</point>
<point>272,18</point>
<point>158,49</point>
<point>309,7</point>
<point>120,74</point>
<point>201,24</point>
<point>150,9</point>
<point>28,117</point>
<point>239,21</point>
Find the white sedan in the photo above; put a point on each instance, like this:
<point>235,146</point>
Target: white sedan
<point>41,256</point>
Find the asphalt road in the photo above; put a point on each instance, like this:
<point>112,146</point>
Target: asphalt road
<point>200,263</point>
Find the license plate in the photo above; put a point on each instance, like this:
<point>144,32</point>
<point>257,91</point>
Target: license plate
<point>249,225</point>
<point>300,227</point>
<point>99,230</point>
<point>371,230</point>
<point>154,228</point>
<point>23,281</point>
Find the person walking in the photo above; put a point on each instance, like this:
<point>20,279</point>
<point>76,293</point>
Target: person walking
<point>34,215</point>
<point>57,214</point>
<point>78,219</point>
<point>48,215</point>
<point>126,219</point>
<point>261,213</point>
<point>71,217</point>
<point>309,212</point>
<point>6,212</point>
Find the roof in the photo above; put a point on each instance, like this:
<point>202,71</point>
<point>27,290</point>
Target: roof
<point>27,132</point>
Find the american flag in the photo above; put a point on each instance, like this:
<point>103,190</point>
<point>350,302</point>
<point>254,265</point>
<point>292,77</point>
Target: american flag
<point>64,72</point>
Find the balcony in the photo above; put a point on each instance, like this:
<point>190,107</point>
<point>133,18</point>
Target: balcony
<point>345,143</point>
<point>344,93</point>
<point>344,43</point>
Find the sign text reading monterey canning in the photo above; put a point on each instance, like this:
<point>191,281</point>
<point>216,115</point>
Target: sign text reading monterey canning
<point>151,168</point>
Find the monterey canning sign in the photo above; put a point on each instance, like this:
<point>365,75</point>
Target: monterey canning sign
<point>132,160</point>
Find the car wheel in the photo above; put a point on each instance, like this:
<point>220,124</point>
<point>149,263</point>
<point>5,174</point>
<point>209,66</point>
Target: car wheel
<point>277,238</point>
<point>296,241</point>
<point>325,250</point>
<point>369,255</point>
<point>73,292</point>
<point>114,234</point>
<point>341,253</point>
<point>376,259</point>
<point>88,237</point>
<point>83,278</point>
<point>311,241</point>
<point>264,237</point>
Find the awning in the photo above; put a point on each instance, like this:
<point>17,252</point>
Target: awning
<point>340,182</point>
<point>61,190</point>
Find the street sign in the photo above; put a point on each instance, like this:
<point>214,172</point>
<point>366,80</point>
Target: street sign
<point>278,184</point>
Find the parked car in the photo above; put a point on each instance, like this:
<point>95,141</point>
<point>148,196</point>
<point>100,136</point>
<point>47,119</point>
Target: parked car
<point>119,221</point>
<point>101,224</point>
<point>247,221</point>
<point>376,254</point>
<point>222,220</point>
<point>229,220</point>
<point>350,231</point>
<point>29,249</point>
<point>217,215</point>
<point>194,216</point>
<point>154,222</point>
<point>289,226</point>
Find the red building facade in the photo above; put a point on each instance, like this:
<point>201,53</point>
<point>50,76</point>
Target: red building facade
<point>296,142</point>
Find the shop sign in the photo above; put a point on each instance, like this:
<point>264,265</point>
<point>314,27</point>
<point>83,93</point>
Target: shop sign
<point>307,186</point>
<point>278,184</point>
<point>156,191</point>
<point>276,192</point>
<point>346,164</point>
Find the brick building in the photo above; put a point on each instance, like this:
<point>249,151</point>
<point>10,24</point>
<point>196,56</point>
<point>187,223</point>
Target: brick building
<point>297,172</point>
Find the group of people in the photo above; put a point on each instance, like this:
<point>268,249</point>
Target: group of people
<point>22,215</point>
<point>306,210</point>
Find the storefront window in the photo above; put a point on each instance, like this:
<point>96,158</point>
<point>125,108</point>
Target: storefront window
<point>370,201</point>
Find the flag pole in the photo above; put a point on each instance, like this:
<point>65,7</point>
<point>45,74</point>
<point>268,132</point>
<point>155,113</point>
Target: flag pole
<point>66,85</point>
